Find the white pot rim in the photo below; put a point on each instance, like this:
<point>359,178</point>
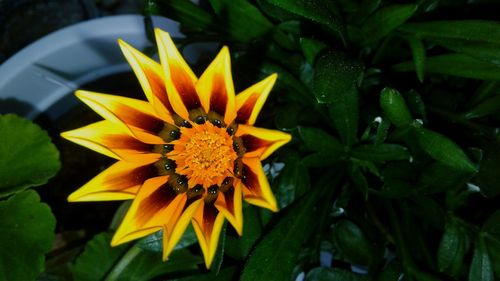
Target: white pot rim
<point>54,66</point>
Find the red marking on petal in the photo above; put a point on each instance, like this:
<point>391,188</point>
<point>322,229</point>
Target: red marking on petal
<point>229,198</point>
<point>246,109</point>
<point>158,88</point>
<point>209,216</point>
<point>250,180</point>
<point>159,199</point>
<point>218,98</point>
<point>138,119</point>
<point>253,143</point>
<point>125,142</point>
<point>134,177</point>
<point>185,88</point>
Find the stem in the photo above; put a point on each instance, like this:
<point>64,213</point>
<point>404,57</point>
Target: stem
<point>128,257</point>
<point>378,224</point>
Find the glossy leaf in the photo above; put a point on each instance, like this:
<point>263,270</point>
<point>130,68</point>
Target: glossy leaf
<point>335,74</point>
<point>27,156</point>
<point>487,107</point>
<point>27,234</point>
<point>418,52</point>
<point>320,141</point>
<point>319,11</point>
<point>311,48</point>
<point>99,259</point>
<point>243,21</point>
<point>190,15</point>
<point>474,30</point>
<point>154,242</point>
<point>481,268</point>
<point>444,150</point>
<point>394,107</point>
<point>275,256</point>
<point>452,248</point>
<point>293,181</point>
<point>327,274</point>
<point>385,20</point>
<point>456,65</point>
<point>353,243</point>
<point>381,152</point>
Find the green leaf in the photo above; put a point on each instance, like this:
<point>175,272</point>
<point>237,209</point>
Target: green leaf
<point>154,242</point>
<point>487,176</point>
<point>99,259</point>
<point>239,247</point>
<point>353,244</point>
<point>440,177</point>
<point>394,107</point>
<point>311,48</point>
<point>480,267</point>
<point>418,52</point>
<point>27,234</point>
<point>319,11</point>
<point>190,15</point>
<point>452,248</point>
<point>381,152</point>
<point>293,181</point>
<point>243,21</point>
<point>226,274</point>
<point>335,74</point>
<point>456,65</point>
<point>477,38</point>
<point>27,156</point>
<point>487,107</point>
<point>329,274</point>
<point>473,30</point>
<point>385,20</point>
<point>295,89</point>
<point>320,141</point>
<point>444,150</point>
<point>275,256</point>
<point>492,224</point>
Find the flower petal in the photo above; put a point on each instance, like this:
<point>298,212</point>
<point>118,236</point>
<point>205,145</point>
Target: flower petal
<point>111,140</point>
<point>256,189</point>
<point>179,78</point>
<point>216,89</point>
<point>207,224</point>
<point>155,205</point>
<point>173,230</point>
<point>118,182</point>
<point>133,115</point>
<point>150,76</point>
<point>250,101</point>
<point>260,142</point>
<point>229,204</point>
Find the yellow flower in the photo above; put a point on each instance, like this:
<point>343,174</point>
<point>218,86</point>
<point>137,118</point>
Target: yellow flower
<point>191,153</point>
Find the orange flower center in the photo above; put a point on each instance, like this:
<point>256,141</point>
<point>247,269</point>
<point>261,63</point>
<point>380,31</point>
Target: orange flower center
<point>204,154</point>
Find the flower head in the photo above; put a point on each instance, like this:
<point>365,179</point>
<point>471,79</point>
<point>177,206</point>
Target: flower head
<point>188,154</point>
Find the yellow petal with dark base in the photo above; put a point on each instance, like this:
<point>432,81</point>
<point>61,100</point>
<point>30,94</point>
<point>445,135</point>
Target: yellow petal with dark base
<point>260,142</point>
<point>155,205</point>
<point>136,116</point>
<point>250,101</point>
<point>118,182</point>
<point>150,76</point>
<point>216,89</point>
<point>230,205</point>
<point>207,224</point>
<point>256,189</point>
<point>113,141</point>
<point>179,78</point>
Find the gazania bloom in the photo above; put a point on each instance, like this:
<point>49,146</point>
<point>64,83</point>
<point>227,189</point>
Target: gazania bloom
<point>190,153</point>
